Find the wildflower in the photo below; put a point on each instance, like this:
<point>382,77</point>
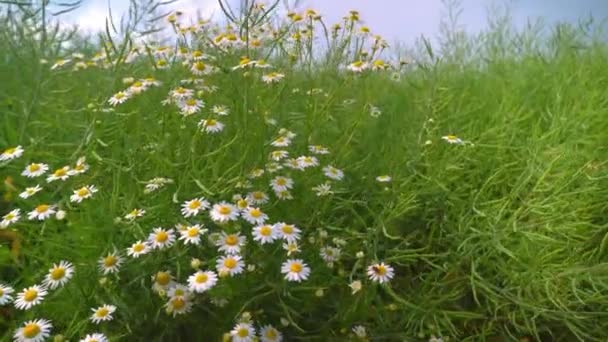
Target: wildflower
<point>59,275</point>
<point>261,64</point>
<point>10,218</point>
<point>163,280</point>
<point>29,297</point>
<point>278,155</point>
<point>257,198</point>
<point>358,66</point>
<point>243,332</point>
<point>256,173</point>
<point>36,330</point>
<point>306,161</point>
<point>179,290</point>
<point>178,305</point>
<point>60,215</point>
<point>35,170</point>
<point>119,98</point>
<point>196,263</point>
<point>360,331</point>
<point>161,238</point>
<point>137,87</point>
<point>224,212</point>
<point>273,167</point>
<point>254,215</point>
<point>291,248</point>
<point>102,313</point>
<point>452,139</point>
<point>59,174</point>
<point>230,243</point>
<point>323,189</point>
<point>318,149</point>
<point>295,270</point>
<point>138,248</point>
<point>379,64</point>
<point>280,183</point>
<point>85,192</point>
<point>201,281</point>
<point>6,294</point>
<point>384,179</point>
<point>283,195</point>
<point>110,263</point>
<point>192,234</point>
<point>135,213</point>
<point>150,82</point>
<point>330,254</point>
<point>380,273</point>
<point>11,153</point>
<point>220,110</point>
<point>96,337</point>
<point>41,212</point>
<point>156,183</point>
<point>355,286</point>
<point>30,191</point>
<point>190,106</point>
<point>374,111</point>
<point>287,232</point>
<point>230,265</point>
<point>333,173</point>
<point>273,77</point>
<point>439,339</point>
<point>181,93</point>
<point>211,125</point>
<point>80,167</point>
<point>264,234</point>
<point>194,206</point>
<point>59,63</point>
<point>268,333</point>
<point>359,255</point>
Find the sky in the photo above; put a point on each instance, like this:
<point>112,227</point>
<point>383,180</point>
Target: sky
<point>396,20</point>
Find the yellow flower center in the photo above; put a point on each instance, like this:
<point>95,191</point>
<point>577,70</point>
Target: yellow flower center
<point>163,278</point>
<point>58,273</point>
<point>43,208</point>
<point>102,312</point>
<point>381,270</point>
<point>295,267</point>
<point>242,204</point>
<point>225,210</point>
<point>139,247</point>
<point>9,217</point>
<point>231,240</point>
<point>452,137</point>
<point>162,237</point>
<point>137,84</point>
<point>211,122</point>
<point>193,232</point>
<point>271,334</point>
<point>83,192</point>
<point>201,278</point>
<point>162,62</point>
<point>10,150</point>
<point>197,53</point>
<point>358,64</point>
<point>30,295</point>
<point>179,292</point>
<point>195,204</point>
<point>31,330</point>
<point>200,66</point>
<point>258,195</point>
<point>34,167</point>
<point>178,303</point>
<point>119,95</point>
<point>109,261</point>
<point>266,230</point>
<point>255,212</point>
<point>1,292</point>
<point>191,102</point>
<point>281,181</point>
<point>62,172</point>
<point>243,332</point>
<point>287,229</point>
<point>230,263</point>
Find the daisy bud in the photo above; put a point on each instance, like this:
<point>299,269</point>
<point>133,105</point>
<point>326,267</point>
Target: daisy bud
<point>58,338</point>
<point>355,286</point>
<point>319,293</point>
<point>195,263</point>
<point>103,281</point>
<point>246,316</point>
<point>323,234</point>
<point>60,215</point>
<point>360,255</point>
<point>250,268</point>
<point>392,307</point>
<point>311,240</point>
<point>284,321</point>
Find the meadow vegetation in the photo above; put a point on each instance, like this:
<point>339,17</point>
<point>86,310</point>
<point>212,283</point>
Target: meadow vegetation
<point>269,174</point>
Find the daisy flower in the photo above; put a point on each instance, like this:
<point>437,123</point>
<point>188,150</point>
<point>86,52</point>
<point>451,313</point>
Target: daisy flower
<point>280,183</point>
<point>358,66</point>
<point>41,212</point>
<point>59,63</point>
<point>161,238</point>
<point>283,195</point>
<point>36,330</point>
<point>254,215</point>
<point>10,218</point>
<point>243,332</point>
<point>360,331</point>
<point>333,173</point>
<point>384,179</point>
<point>211,126</point>
<point>330,254</point>
<point>11,153</point>
<point>294,164</point>
<point>230,243</point>
<point>268,333</point>
<point>308,161</point>
<point>151,82</point>
<point>287,232</point>
<point>452,139</point>
<point>192,234</point>
<point>103,313</point>
<point>278,155</point>
<point>224,212</point>
<point>199,68</point>
<point>281,142</point>
<point>59,275</point>
<point>6,294</point>
<point>30,191</point>
<point>29,297</point>
<point>156,183</point>
<point>380,273</point>
<point>135,213</point>
<point>201,281</point>
<point>194,207</point>
<point>264,234</point>
<point>318,149</point>
<point>220,110</point>
<point>190,106</point>
<point>83,193</point>
<point>230,265</point>
<point>35,170</point>
<point>110,263</point>
<point>96,337</point>
<point>355,286</point>
<point>119,98</point>
<point>137,87</point>
<point>257,197</point>
<point>138,248</point>
<point>323,189</point>
<point>59,174</point>
<point>178,306</point>
<point>181,93</point>
<point>295,270</point>
<point>291,248</point>
<point>163,280</point>
<point>179,290</point>
<point>80,167</point>
<point>256,173</point>
<point>273,77</point>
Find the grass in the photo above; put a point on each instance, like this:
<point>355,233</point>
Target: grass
<point>499,239</point>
